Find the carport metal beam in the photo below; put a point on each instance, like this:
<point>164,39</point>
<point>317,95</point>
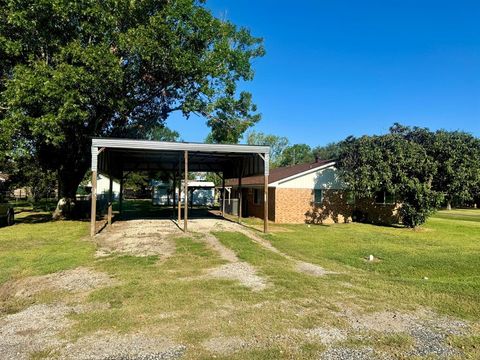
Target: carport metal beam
<point>185,196</point>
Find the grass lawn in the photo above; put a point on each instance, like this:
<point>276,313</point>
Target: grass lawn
<point>435,267</point>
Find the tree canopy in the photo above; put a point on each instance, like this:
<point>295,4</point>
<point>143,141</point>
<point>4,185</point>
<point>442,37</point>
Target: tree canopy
<point>331,151</point>
<point>393,164</point>
<point>422,168</point>
<point>457,159</point>
<point>70,70</point>
<point>296,154</point>
<point>277,144</point>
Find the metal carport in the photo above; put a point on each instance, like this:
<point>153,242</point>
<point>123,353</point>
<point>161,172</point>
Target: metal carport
<point>113,157</point>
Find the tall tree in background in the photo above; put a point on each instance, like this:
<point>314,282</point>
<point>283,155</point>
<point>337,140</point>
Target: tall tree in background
<point>296,154</point>
<point>330,151</point>
<point>277,145</point>
<point>163,133</point>
<point>70,70</point>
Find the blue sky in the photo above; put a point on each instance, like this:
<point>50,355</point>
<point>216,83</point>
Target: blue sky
<point>337,68</point>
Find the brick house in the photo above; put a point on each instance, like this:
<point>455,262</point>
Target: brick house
<point>310,193</point>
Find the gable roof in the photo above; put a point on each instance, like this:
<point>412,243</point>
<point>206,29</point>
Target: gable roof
<point>281,173</point>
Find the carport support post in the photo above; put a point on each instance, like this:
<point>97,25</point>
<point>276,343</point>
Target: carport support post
<point>110,199</point>
<point>94,204</point>
<point>185,185</point>
<point>223,194</point>
<point>179,203</point>
<point>120,196</point>
<point>174,191</point>
<point>265,204</point>
<point>266,171</point>
<point>239,198</point>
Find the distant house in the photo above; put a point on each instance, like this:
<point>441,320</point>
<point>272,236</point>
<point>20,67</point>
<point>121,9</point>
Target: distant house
<point>17,193</point>
<point>201,193</point>
<point>103,186</point>
<point>310,193</point>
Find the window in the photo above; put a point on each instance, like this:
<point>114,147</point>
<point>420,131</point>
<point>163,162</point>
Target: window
<point>389,198</point>
<point>384,198</point>
<point>318,196</point>
<point>257,196</point>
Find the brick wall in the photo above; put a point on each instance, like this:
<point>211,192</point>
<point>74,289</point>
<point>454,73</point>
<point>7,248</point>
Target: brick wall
<point>296,206</point>
<point>256,210</point>
<point>333,209</point>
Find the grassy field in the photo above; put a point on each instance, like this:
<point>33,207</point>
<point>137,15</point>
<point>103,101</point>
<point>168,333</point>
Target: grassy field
<point>436,266</point>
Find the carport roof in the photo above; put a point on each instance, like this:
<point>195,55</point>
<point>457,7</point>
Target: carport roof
<point>114,156</point>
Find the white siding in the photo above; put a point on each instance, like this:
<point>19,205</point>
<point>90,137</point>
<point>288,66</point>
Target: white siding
<point>321,179</point>
<point>103,185</point>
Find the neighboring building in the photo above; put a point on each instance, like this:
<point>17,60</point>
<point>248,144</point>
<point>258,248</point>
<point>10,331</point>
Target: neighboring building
<point>103,186</point>
<point>201,193</point>
<point>310,193</point>
<point>17,193</point>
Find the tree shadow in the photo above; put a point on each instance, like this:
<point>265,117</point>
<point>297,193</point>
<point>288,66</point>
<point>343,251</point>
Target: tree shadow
<point>34,218</point>
<point>333,208</point>
<point>334,205</point>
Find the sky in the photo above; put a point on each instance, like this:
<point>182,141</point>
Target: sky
<point>335,68</point>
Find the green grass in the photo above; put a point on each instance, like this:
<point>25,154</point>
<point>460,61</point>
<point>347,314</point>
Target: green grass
<point>173,296</point>
<point>445,250</point>
<point>459,214</point>
<point>20,206</point>
<point>37,246</point>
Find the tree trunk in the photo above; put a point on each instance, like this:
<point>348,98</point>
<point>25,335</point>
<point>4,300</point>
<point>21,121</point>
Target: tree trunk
<point>449,205</point>
<point>68,181</point>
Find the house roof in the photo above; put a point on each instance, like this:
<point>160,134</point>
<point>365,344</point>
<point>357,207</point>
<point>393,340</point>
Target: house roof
<point>280,173</point>
<point>4,177</point>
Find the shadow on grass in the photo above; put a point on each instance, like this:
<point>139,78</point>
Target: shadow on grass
<point>34,218</point>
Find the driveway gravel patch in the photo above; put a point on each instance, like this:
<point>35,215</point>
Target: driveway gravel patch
<point>106,345</point>
<point>81,279</point>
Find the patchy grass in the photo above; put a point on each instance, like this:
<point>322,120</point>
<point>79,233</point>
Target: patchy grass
<point>175,297</point>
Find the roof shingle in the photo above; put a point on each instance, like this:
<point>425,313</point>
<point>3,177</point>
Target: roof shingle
<point>279,173</point>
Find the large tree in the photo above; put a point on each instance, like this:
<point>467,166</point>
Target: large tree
<point>70,70</point>
<point>395,165</point>
<point>457,158</point>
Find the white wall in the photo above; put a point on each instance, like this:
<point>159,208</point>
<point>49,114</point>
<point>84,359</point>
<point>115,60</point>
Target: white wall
<point>103,185</point>
<point>321,179</point>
